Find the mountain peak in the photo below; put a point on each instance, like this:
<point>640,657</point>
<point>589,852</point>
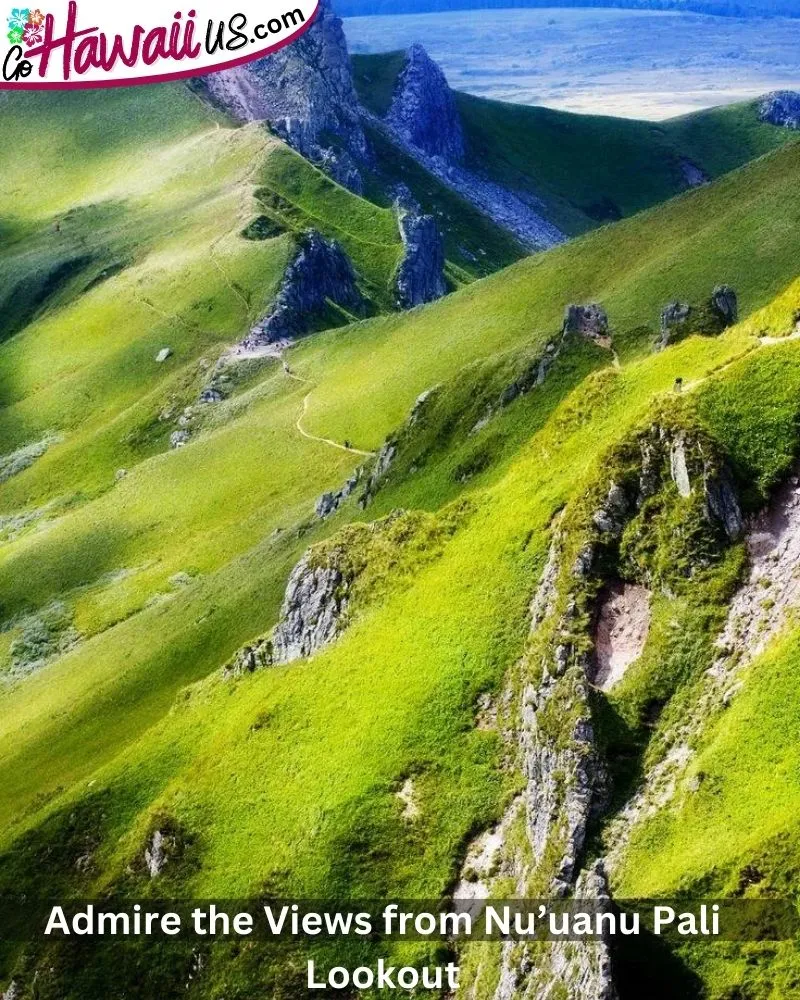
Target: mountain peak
<point>423,109</point>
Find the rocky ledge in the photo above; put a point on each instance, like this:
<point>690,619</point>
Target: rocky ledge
<point>320,273</point>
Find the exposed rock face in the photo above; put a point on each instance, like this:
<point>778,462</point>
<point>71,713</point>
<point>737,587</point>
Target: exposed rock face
<point>305,91</point>
<point>725,304</point>
<point>329,503</point>
<point>566,782</point>
<point>673,326</point>
<point>623,623</point>
<point>680,319</point>
<point>155,856</point>
<point>691,469</point>
<point>758,612</point>
<point>14,991</point>
<point>423,120</point>
<point>781,108</point>
<point>420,277</point>
<point>423,109</point>
<point>316,600</point>
<point>584,967</point>
<point>590,321</point>
<point>693,176</point>
<point>311,616</point>
<point>320,272</point>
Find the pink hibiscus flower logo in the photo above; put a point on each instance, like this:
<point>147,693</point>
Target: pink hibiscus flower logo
<point>33,34</point>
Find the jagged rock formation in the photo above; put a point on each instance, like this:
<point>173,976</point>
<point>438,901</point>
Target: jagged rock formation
<point>420,276</point>
<point>584,967</point>
<point>590,321</point>
<point>321,272</point>
<point>673,325</point>
<point>782,108</point>
<point>566,782</point>
<point>14,991</point>
<point>423,110</point>
<point>423,120</point>
<point>311,616</point>
<point>305,91</point>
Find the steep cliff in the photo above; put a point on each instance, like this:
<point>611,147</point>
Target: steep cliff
<point>305,92</point>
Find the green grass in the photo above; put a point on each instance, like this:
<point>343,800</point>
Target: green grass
<point>167,571</point>
<point>587,170</point>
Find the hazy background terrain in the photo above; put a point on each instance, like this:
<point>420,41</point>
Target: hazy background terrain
<point>643,64</point>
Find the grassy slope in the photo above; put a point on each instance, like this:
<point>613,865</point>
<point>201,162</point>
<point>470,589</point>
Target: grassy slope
<point>159,521</point>
<point>587,169</point>
<point>408,673</point>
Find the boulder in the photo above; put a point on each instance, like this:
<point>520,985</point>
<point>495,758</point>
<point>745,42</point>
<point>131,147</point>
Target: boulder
<point>178,439</point>
<point>423,109</point>
<point>163,355</point>
<point>781,108</point>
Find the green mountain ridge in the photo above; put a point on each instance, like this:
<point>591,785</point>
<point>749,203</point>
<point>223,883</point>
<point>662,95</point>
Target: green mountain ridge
<point>132,573</point>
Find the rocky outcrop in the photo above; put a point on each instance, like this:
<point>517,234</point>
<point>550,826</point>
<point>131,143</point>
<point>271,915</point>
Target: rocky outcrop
<point>725,304</point>
<point>693,176</point>
<point>782,108</point>
<point>329,503</point>
<point>423,121</point>
<point>674,323</point>
<point>590,321</point>
<point>305,91</point>
<point>316,600</point>
<point>583,967</point>
<point>13,991</point>
<point>155,855</point>
<point>420,276</point>
<point>760,610</point>
<point>680,319</point>
<point>566,782</point>
<point>423,109</point>
<point>312,613</point>
<point>320,273</point>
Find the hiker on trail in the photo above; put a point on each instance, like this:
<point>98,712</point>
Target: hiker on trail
<point>57,226</point>
<point>678,385</point>
<point>348,445</point>
<point>286,368</point>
